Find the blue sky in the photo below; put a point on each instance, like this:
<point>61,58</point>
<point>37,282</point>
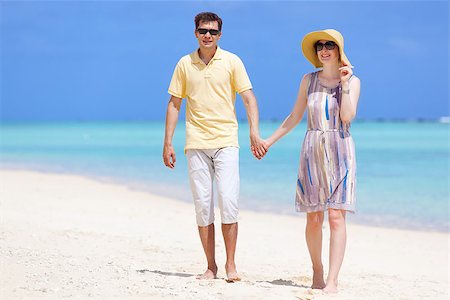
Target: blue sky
<point>113,60</point>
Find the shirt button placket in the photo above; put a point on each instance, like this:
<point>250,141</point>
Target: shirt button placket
<point>207,73</point>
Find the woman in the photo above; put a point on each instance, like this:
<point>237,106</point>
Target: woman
<point>327,173</point>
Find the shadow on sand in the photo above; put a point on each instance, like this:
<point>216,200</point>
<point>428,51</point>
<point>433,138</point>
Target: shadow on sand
<point>166,273</point>
<point>274,282</point>
<point>285,283</point>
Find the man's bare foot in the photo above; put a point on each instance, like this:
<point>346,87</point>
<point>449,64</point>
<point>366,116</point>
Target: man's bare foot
<point>318,282</point>
<point>209,274</point>
<point>232,274</point>
<point>330,288</point>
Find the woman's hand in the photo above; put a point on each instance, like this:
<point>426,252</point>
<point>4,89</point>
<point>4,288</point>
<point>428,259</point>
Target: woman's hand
<point>346,73</point>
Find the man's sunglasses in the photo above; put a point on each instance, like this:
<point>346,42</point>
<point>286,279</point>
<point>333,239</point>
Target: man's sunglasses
<point>203,31</point>
<point>329,45</point>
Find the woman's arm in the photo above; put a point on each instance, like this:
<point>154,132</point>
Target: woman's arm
<point>296,114</point>
<point>350,94</point>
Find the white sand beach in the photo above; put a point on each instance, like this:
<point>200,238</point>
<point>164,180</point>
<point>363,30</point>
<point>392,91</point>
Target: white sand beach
<point>66,236</point>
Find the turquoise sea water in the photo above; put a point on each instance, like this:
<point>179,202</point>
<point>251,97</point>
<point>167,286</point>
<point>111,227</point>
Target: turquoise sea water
<point>403,167</point>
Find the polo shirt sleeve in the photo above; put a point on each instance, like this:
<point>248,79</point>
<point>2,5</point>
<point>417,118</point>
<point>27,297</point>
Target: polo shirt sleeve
<point>241,81</point>
<point>177,85</point>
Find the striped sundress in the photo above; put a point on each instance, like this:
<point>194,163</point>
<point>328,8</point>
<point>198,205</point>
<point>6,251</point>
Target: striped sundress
<point>327,172</point>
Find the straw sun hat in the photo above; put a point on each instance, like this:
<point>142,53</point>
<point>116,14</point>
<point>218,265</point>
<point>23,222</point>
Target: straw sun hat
<point>310,40</point>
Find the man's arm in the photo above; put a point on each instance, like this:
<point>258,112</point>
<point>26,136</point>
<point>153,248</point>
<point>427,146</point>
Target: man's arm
<point>251,107</point>
<point>173,110</point>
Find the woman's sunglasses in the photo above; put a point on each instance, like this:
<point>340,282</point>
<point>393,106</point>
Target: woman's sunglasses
<point>203,31</point>
<point>328,45</point>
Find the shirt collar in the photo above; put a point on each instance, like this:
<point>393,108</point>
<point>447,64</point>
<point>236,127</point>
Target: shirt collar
<point>196,58</point>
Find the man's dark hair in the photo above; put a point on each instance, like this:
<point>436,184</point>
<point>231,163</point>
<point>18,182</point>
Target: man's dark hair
<point>207,17</point>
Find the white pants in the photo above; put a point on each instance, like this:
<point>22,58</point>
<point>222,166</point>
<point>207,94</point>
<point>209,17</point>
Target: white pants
<point>219,165</point>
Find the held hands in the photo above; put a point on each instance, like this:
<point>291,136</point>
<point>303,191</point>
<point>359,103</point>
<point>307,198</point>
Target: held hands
<point>169,156</point>
<point>259,147</point>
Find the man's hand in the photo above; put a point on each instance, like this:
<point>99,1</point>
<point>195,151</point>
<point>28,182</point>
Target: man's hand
<point>169,156</point>
<point>258,146</point>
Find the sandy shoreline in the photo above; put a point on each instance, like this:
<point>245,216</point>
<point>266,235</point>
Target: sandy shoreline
<point>65,236</point>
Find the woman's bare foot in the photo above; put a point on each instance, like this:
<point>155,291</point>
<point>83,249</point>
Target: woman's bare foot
<point>209,274</point>
<point>330,288</point>
<point>318,282</point>
<point>232,274</point>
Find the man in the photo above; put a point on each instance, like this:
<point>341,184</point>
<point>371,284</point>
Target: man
<point>209,78</point>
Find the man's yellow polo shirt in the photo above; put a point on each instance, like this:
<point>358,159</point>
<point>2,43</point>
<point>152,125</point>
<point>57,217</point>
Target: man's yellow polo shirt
<point>211,94</point>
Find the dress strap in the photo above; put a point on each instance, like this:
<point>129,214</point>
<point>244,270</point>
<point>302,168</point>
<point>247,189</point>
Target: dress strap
<point>311,79</point>
<point>309,83</point>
